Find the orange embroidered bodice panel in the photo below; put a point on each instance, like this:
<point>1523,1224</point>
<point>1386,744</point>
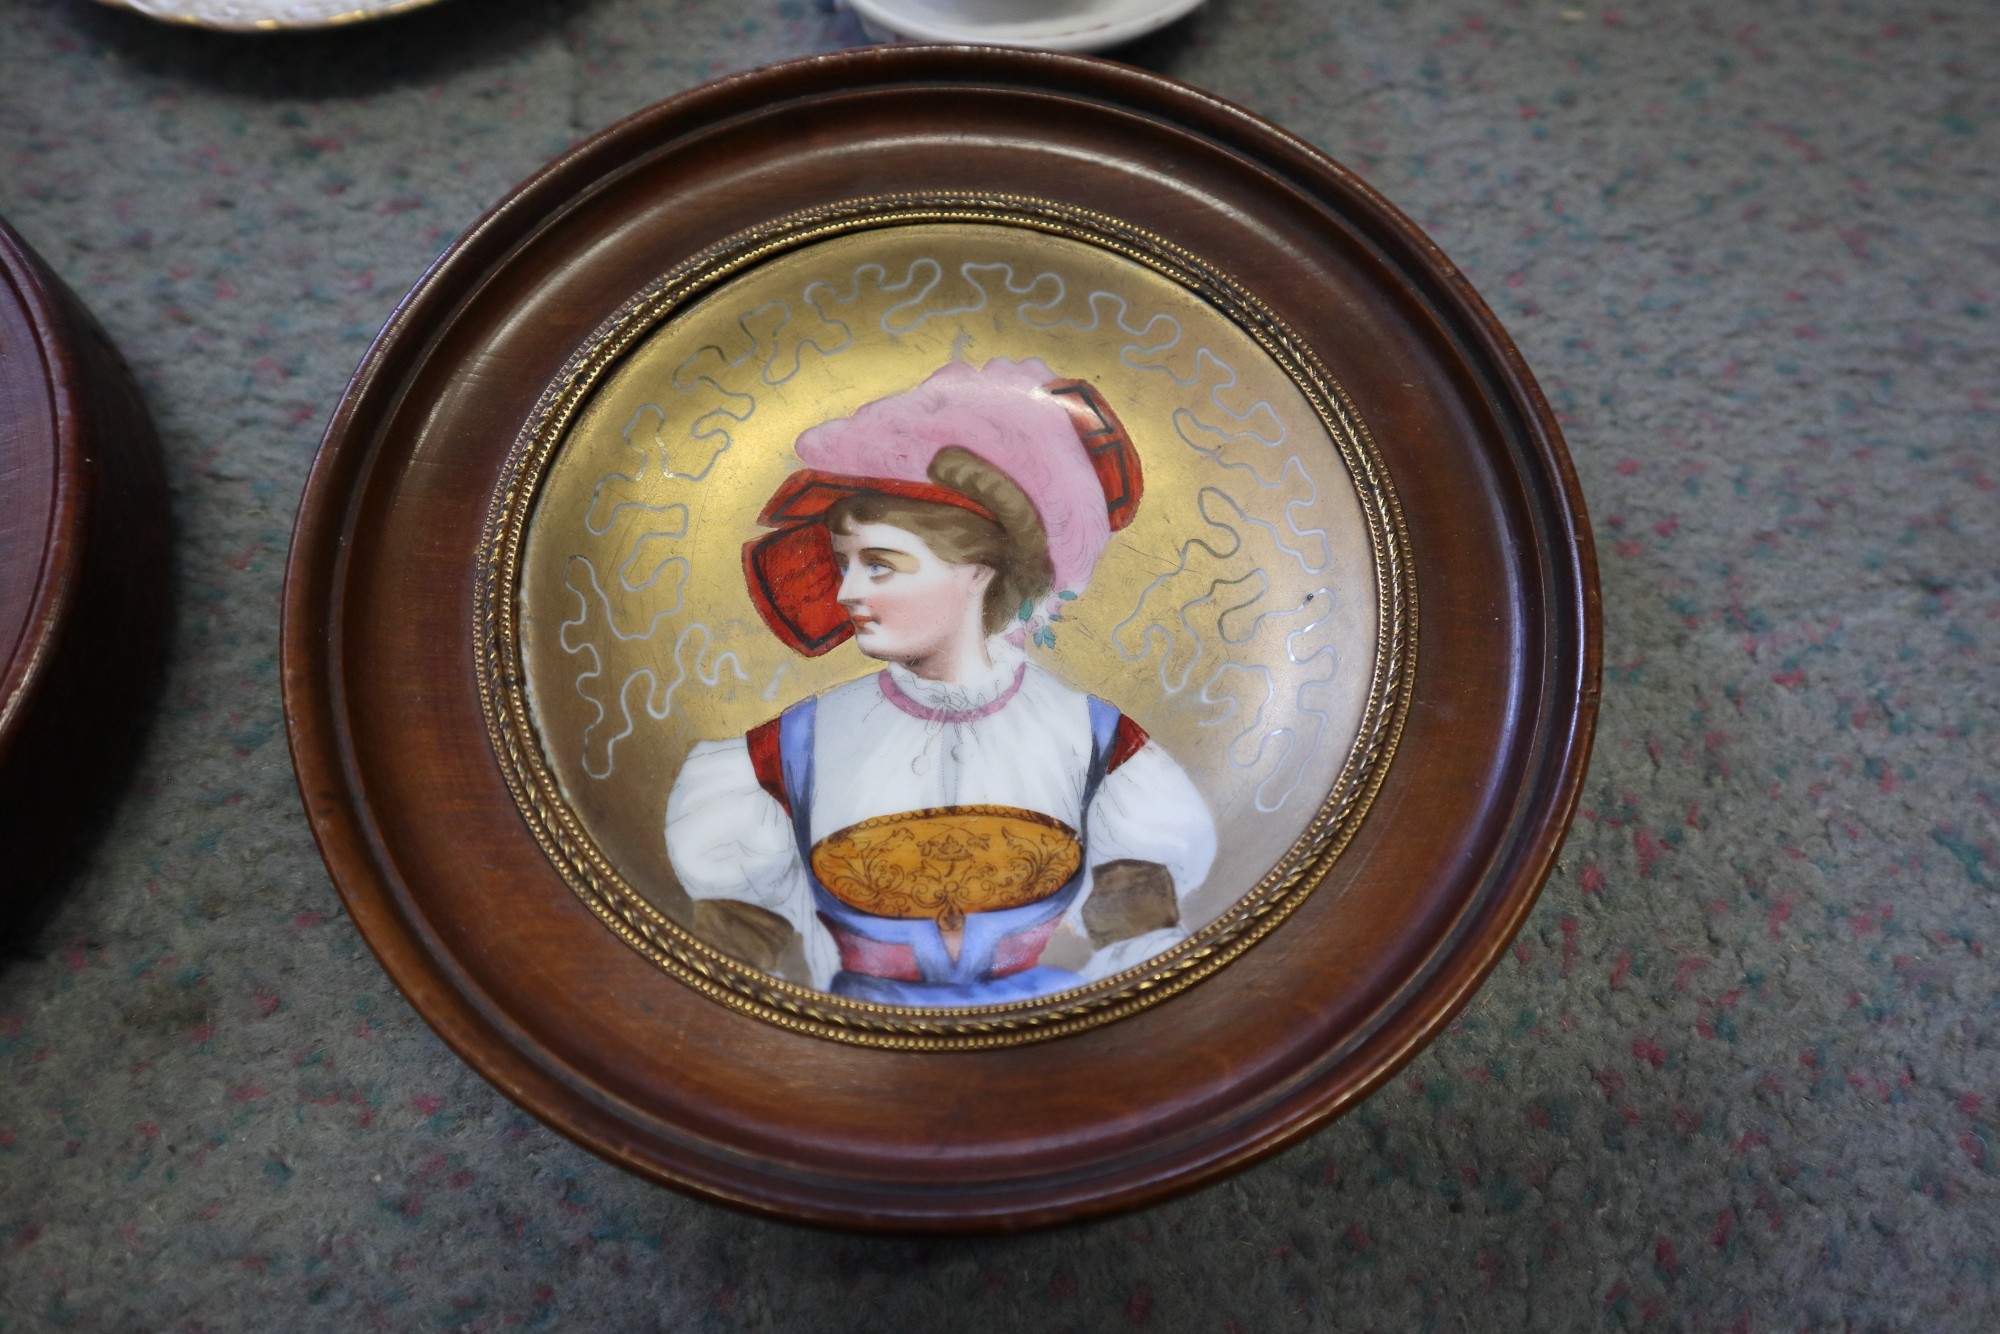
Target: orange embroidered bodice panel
<point>945,863</point>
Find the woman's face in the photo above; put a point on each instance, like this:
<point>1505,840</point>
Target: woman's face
<point>908,604</point>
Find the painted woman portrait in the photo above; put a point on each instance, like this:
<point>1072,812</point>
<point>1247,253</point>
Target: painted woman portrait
<point>961,827</point>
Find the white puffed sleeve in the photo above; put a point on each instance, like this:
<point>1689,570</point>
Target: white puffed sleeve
<point>1147,809</point>
<point>727,838</point>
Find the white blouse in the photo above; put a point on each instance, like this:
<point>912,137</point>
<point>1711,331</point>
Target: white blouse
<point>728,839</point>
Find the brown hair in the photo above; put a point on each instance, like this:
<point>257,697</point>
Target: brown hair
<point>1016,549</point>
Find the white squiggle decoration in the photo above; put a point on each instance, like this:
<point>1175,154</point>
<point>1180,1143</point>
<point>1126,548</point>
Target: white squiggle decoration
<point>1287,737</point>
<point>737,408</point>
<point>596,659</point>
<point>709,677</point>
<point>1147,353</point>
<point>1323,721</point>
<point>611,617</point>
<point>936,271</point>
<point>967,272</point>
<point>645,457</point>
<point>854,289</point>
<point>700,429</point>
<point>1228,702</point>
<point>1147,637</point>
<point>799,352</point>
<point>1308,566</point>
<point>1151,339</point>
<point>1251,633</point>
<point>714,427</point>
<point>625,570</point>
<point>1183,419</point>
<point>1092,303</point>
<point>909,278</point>
<point>1227,380</point>
<point>1261,423</point>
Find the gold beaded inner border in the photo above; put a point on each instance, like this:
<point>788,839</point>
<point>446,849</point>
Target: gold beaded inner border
<point>569,846</point>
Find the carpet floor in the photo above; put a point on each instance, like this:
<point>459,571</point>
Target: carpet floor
<point>1742,1069</point>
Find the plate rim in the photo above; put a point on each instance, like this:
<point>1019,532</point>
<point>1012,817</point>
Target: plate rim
<point>909,23</point>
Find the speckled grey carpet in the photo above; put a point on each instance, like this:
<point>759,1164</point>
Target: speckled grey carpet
<point>1743,1071</point>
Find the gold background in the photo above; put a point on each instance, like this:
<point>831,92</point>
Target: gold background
<point>1235,619</point>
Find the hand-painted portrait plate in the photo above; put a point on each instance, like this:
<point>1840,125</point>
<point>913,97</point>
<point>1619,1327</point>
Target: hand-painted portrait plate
<point>918,685</point>
<point>944,621</point>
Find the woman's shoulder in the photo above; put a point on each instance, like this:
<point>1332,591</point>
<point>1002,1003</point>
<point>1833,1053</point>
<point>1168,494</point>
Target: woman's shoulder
<point>1112,727</point>
<point>709,769</point>
<point>1045,693</point>
<point>1048,685</point>
<point>846,700</point>
<point>840,707</point>
<point>859,690</point>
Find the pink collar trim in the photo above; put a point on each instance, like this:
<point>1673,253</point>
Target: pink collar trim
<point>896,696</point>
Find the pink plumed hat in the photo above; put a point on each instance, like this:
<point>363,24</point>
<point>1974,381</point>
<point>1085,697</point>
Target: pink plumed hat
<point>1057,439</point>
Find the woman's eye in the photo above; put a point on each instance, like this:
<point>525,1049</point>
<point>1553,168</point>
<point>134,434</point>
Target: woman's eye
<point>877,568</point>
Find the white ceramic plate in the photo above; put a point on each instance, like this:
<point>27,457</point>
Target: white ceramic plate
<point>265,15</point>
<point>1048,25</point>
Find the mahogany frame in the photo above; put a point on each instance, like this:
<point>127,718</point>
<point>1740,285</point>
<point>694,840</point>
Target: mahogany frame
<point>468,916</point>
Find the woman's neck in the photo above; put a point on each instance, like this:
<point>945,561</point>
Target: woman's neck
<point>959,658</point>
<point>967,700</point>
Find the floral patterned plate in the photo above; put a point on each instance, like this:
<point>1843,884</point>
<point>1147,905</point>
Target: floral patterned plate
<point>266,15</point>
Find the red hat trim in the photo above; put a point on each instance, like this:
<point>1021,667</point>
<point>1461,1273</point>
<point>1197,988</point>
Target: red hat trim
<point>793,580</point>
<point>1110,448</point>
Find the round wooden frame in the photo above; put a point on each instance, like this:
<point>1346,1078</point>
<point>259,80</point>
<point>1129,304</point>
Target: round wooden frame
<point>410,802</point>
<point>83,573</point>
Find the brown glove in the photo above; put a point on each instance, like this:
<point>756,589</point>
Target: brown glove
<point>1129,898</point>
<point>745,932</point>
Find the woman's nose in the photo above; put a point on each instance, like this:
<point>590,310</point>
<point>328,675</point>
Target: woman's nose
<point>852,590</point>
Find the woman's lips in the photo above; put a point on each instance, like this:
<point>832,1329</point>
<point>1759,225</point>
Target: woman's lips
<point>862,622</point>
